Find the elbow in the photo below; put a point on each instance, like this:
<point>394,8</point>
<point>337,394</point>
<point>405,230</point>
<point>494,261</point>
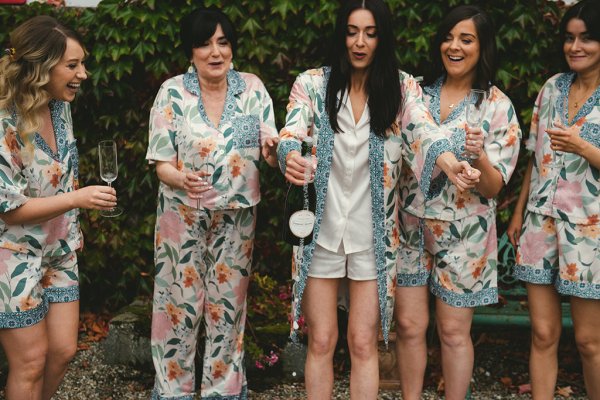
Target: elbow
<point>491,191</point>
<point>9,218</point>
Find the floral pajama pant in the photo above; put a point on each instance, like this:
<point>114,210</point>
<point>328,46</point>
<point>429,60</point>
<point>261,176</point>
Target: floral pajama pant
<point>203,261</point>
<point>28,283</point>
<point>459,259</point>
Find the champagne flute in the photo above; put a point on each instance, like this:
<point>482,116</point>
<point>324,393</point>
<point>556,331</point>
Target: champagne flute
<point>109,170</point>
<point>200,163</point>
<point>551,118</point>
<point>474,112</point>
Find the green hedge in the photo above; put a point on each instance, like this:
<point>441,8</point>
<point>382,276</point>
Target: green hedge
<point>133,48</point>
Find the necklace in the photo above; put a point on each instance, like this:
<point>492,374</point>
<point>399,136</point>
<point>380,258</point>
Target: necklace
<point>587,93</point>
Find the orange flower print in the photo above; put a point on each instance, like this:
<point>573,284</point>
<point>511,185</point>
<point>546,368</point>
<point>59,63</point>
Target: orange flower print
<point>428,261</point>
<point>47,280</point>
<point>247,248</point>
<point>215,311</point>
<point>175,313</point>
<point>157,239</point>
<point>239,343</point>
<point>315,72</point>
<point>593,219</point>
<point>219,368</point>
<point>548,226</point>
<point>188,214</point>
<point>12,144</point>
<point>223,273</point>
<point>460,202</point>
<point>236,164</point>
<point>168,112</point>
<point>395,239</point>
<point>174,371</point>
<point>512,135</point>
<point>206,147</point>
<point>53,174</point>
<point>445,281</point>
<point>416,146</point>
<point>547,159</point>
<point>580,122</point>
<point>437,230</point>
<point>589,231</point>
<point>544,171</point>
<point>180,165</point>
<point>395,129</point>
<point>286,134</point>
<point>571,273</point>
<point>387,179</point>
<point>290,106</point>
<point>477,267</point>
<point>189,276</point>
<point>27,303</point>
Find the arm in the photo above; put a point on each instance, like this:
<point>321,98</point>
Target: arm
<point>192,182</point>
<point>516,221</point>
<point>460,173</point>
<point>42,209</point>
<point>571,140</point>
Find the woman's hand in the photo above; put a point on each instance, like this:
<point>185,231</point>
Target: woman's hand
<point>96,197</point>
<point>566,139</point>
<point>196,183</point>
<point>474,142</point>
<point>460,173</point>
<point>514,228</point>
<point>269,151</point>
<point>296,166</point>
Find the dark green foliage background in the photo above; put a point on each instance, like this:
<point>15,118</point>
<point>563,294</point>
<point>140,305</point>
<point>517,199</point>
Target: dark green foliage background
<point>133,47</point>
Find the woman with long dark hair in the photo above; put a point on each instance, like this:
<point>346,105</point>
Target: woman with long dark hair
<point>555,225</point>
<point>458,264</point>
<point>366,118</point>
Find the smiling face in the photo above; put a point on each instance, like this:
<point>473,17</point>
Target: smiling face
<point>581,52</point>
<point>361,39</point>
<point>460,51</point>
<point>67,75</point>
<point>213,57</point>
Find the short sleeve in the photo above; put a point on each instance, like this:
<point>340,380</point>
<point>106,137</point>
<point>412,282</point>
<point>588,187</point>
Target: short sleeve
<point>13,182</point>
<point>165,113</point>
<point>267,117</point>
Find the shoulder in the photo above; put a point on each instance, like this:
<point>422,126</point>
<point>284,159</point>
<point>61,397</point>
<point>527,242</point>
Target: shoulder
<point>409,83</point>
<point>175,82</point>
<point>314,76</point>
<point>252,81</point>
<point>498,96</point>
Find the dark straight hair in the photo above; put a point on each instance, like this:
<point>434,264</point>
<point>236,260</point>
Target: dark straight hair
<point>589,12</point>
<point>199,26</point>
<point>383,82</point>
<point>487,64</point>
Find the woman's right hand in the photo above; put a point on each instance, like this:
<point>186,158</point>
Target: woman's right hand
<point>295,168</point>
<point>195,183</point>
<point>514,228</point>
<point>96,197</point>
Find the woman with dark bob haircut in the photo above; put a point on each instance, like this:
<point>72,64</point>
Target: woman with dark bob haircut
<point>365,117</point>
<point>458,264</point>
<point>208,129</point>
<point>556,225</point>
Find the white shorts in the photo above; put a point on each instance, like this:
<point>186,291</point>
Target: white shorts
<point>359,266</point>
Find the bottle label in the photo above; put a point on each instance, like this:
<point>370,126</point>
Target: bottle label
<point>302,223</point>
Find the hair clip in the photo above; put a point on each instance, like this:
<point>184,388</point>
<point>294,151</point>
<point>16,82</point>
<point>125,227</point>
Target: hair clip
<point>10,52</point>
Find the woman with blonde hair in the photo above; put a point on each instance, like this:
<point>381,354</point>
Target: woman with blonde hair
<point>40,74</point>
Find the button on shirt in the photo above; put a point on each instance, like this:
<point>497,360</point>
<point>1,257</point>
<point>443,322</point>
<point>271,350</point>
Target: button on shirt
<point>347,213</point>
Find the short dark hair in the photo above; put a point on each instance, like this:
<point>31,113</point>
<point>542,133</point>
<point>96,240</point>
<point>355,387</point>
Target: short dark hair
<point>199,26</point>
<point>589,12</point>
<point>383,82</point>
<point>487,64</point>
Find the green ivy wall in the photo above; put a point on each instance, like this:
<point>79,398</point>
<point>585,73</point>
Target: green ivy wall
<point>133,47</point>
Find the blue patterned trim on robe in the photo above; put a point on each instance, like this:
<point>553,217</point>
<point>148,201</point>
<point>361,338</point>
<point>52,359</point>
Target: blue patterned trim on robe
<point>413,280</point>
<point>62,295</point>
<point>242,396</point>
<point>156,396</point>
<point>534,275</point>
<point>437,148</point>
<point>590,132</point>
<point>246,131</point>
<point>584,290</point>
<point>283,149</point>
<point>74,158</point>
<point>22,319</point>
<point>457,146</point>
<point>60,132</point>
<point>235,86</point>
<point>376,166</point>
<point>563,84</point>
<point>465,300</point>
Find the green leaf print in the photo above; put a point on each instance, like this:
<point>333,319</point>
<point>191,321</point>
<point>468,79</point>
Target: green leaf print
<point>592,188</point>
<point>483,223</point>
<point>228,319</point>
<point>219,241</point>
<point>219,339</point>
<point>20,287</point>
<point>454,231</point>
<point>190,309</point>
<point>227,304</point>
<point>33,242</point>
<point>175,94</point>
<point>19,270</point>
<point>170,353</point>
<point>188,244</point>
<point>216,352</point>
<point>176,109</point>
<point>188,323</point>
<point>174,341</point>
<point>186,258</point>
<point>71,275</point>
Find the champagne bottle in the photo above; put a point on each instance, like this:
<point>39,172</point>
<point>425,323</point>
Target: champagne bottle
<point>300,204</point>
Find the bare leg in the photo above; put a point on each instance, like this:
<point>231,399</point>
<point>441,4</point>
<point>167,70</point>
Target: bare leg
<point>62,324</point>
<point>320,310</point>
<point>363,327</point>
<point>545,314</point>
<point>412,318</point>
<point>585,314</point>
<point>454,326</point>
<point>25,350</point>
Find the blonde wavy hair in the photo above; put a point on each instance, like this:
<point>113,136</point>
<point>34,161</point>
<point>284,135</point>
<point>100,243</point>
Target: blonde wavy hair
<point>36,46</point>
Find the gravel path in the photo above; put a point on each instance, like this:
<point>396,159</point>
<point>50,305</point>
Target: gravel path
<point>500,368</point>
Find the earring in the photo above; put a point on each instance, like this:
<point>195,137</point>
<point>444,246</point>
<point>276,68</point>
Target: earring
<point>231,65</point>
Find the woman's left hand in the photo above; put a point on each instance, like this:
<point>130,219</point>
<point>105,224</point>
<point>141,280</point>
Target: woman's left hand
<point>467,178</point>
<point>566,139</point>
<point>269,150</point>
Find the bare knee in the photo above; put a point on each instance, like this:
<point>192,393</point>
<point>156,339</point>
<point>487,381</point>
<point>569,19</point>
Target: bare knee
<point>362,345</point>
<point>588,344</point>
<point>545,337</point>
<point>28,365</point>
<point>62,355</point>
<point>411,327</point>
<point>322,343</point>
<point>454,335</point>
